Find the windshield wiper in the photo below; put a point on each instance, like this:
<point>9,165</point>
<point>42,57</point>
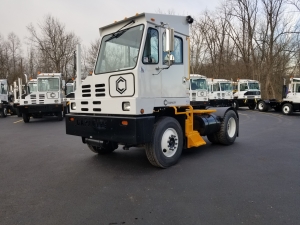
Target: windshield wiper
<point>120,32</point>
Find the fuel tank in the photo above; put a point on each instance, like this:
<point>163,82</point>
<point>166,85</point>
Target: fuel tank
<point>207,124</point>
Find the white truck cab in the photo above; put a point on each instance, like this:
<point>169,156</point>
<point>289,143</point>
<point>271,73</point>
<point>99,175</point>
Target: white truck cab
<point>246,92</point>
<point>46,97</point>
<point>220,92</point>
<point>138,93</point>
<point>198,91</point>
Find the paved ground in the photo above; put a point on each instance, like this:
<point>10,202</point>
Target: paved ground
<point>48,177</point>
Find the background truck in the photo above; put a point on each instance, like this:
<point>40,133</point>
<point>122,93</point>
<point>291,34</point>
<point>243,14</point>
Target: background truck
<point>48,100</point>
<point>6,99</point>
<point>219,92</point>
<point>198,91</point>
<point>246,93</point>
<point>29,88</point>
<point>138,94</point>
<point>290,99</point>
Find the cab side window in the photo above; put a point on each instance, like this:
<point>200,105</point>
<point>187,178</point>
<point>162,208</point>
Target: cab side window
<point>150,55</point>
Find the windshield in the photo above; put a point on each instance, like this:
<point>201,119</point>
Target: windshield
<point>48,84</point>
<point>3,88</point>
<point>32,87</point>
<point>198,84</point>
<point>69,89</point>
<point>119,50</point>
<point>253,86</point>
<point>226,86</point>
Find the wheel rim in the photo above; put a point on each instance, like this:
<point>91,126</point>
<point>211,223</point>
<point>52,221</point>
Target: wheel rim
<point>261,106</point>
<point>169,142</point>
<point>231,127</point>
<point>4,112</point>
<point>286,109</point>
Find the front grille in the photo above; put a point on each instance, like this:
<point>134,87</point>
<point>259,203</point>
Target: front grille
<point>86,90</point>
<point>252,93</point>
<point>100,90</point>
<point>41,96</point>
<point>33,96</point>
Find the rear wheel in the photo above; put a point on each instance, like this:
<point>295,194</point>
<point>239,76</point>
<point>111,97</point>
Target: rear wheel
<point>26,117</point>
<point>165,147</point>
<point>229,128</point>
<point>107,147</point>
<point>287,109</point>
<point>262,106</point>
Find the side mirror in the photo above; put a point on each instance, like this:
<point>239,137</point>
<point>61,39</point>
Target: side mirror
<point>169,40</point>
<point>169,59</point>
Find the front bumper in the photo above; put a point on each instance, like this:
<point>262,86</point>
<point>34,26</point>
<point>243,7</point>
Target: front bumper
<point>47,108</point>
<point>110,128</point>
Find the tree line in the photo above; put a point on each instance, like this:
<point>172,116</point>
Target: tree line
<point>252,39</point>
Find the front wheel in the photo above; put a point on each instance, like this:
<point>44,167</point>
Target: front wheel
<point>262,106</point>
<point>165,147</point>
<point>26,117</point>
<point>287,109</point>
<point>3,112</point>
<point>107,147</point>
<point>251,106</point>
<point>235,104</point>
<point>229,128</point>
<point>60,115</point>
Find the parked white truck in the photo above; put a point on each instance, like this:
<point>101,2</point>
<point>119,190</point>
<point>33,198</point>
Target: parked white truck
<point>246,93</point>
<point>6,99</point>
<point>138,94</point>
<point>220,92</point>
<point>198,91</point>
<point>290,99</point>
<point>47,100</point>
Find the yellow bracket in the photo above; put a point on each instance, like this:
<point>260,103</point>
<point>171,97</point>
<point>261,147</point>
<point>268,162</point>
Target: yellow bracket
<point>194,138</point>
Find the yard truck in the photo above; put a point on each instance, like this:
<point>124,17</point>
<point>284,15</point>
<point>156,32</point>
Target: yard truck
<point>290,99</point>
<point>138,93</point>
<point>246,92</point>
<point>198,91</point>
<point>6,99</point>
<point>219,92</point>
<point>47,100</point>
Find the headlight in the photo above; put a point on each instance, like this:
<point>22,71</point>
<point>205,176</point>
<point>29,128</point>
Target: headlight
<point>126,106</point>
<point>73,105</point>
<point>25,102</point>
<point>56,101</point>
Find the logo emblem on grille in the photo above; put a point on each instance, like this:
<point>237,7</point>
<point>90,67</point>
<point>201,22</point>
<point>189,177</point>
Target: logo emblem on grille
<point>52,95</point>
<point>121,85</point>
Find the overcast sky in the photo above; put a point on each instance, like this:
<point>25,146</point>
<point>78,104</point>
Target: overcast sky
<point>84,17</point>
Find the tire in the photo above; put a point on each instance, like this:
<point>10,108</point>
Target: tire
<point>19,114</point>
<point>213,138</point>
<point>251,106</point>
<point>287,109</point>
<point>229,128</point>
<point>3,112</point>
<point>262,106</point>
<point>165,147</point>
<point>60,115</point>
<point>235,104</point>
<point>106,148</point>
<point>26,117</point>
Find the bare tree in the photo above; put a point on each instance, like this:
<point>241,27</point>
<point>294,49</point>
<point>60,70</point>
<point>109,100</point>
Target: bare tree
<point>54,43</point>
